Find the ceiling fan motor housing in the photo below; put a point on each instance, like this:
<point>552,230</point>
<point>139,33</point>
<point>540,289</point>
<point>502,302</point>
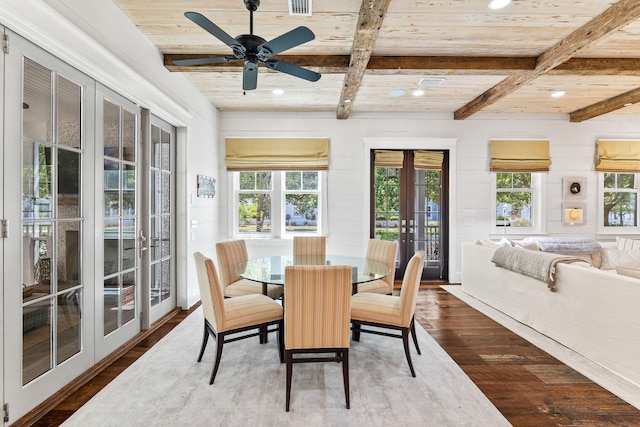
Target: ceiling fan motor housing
<point>252,5</point>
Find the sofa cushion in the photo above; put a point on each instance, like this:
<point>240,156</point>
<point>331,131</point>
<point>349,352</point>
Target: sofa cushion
<point>613,258</point>
<point>627,271</point>
<point>626,244</point>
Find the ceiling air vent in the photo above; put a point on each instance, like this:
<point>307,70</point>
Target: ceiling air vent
<point>300,7</point>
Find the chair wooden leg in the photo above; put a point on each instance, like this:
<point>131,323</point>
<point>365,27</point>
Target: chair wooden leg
<point>355,331</point>
<point>413,334</point>
<point>405,341</point>
<point>264,336</point>
<point>205,339</point>
<point>289,361</point>
<point>345,375</point>
<point>281,340</point>
<point>219,344</point>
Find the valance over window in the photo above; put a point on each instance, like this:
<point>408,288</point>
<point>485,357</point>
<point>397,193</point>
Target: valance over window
<point>531,155</point>
<point>616,155</point>
<point>388,158</point>
<point>428,159</point>
<point>277,154</point>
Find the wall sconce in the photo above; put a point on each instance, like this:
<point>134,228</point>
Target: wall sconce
<point>573,216</point>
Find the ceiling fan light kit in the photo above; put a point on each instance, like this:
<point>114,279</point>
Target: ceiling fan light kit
<point>254,49</point>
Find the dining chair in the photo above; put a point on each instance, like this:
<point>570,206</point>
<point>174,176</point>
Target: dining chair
<point>224,317</point>
<point>317,312</point>
<point>382,251</point>
<point>389,311</point>
<point>309,246</point>
<point>231,254</point>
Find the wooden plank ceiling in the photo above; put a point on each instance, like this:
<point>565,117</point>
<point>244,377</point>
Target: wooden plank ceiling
<point>469,57</point>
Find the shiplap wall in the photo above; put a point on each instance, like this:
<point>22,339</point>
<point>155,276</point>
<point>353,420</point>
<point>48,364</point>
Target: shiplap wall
<point>572,148</point>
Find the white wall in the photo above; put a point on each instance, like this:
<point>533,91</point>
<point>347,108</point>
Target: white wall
<point>97,38</point>
<point>572,147</point>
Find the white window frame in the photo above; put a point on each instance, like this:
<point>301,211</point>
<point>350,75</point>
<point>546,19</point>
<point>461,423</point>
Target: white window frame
<point>538,185</point>
<point>278,210</point>
<point>601,190</point>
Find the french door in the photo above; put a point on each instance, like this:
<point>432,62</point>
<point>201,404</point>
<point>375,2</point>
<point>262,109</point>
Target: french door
<point>88,212</point>
<point>46,179</point>
<point>409,204</point>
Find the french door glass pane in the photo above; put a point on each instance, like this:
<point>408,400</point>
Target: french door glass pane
<point>128,136</point>
<point>128,243</point>
<point>111,130</point>
<point>69,105</point>
<point>37,102</point>
<point>37,181</point>
<point>68,324</point>
<point>128,294</point>
<point>111,298</point>
<point>37,341</point>
<point>111,237</point>
<point>68,201</point>
<point>68,256</point>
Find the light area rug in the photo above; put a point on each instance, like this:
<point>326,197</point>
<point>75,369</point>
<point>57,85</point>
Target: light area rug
<point>600,375</point>
<point>167,387</point>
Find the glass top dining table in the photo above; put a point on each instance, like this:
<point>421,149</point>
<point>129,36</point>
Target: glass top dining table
<point>270,270</point>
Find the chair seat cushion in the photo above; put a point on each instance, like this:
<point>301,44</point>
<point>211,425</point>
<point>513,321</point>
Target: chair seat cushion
<point>249,287</point>
<point>376,308</point>
<point>375,286</point>
<point>250,310</point>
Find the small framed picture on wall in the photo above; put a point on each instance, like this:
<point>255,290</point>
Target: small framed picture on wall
<point>206,186</point>
<point>574,188</point>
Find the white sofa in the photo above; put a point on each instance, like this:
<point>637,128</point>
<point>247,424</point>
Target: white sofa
<point>593,312</point>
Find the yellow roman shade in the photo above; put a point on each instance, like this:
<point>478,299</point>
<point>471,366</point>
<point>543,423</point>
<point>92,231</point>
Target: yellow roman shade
<point>428,159</point>
<point>389,158</point>
<point>618,155</point>
<point>277,154</point>
<point>531,155</point>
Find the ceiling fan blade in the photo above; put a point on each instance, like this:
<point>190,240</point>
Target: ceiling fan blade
<point>205,61</point>
<point>293,38</point>
<point>250,76</point>
<point>199,19</point>
<point>293,70</point>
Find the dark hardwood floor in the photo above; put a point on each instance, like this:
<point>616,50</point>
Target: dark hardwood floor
<point>529,387</point>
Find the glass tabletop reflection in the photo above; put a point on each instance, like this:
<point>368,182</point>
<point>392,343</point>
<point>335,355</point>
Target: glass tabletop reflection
<point>270,269</point>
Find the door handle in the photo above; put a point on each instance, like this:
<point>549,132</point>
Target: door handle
<point>142,239</point>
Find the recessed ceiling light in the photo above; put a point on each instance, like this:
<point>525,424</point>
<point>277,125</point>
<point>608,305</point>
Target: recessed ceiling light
<point>346,101</point>
<point>498,4</point>
<point>558,94</point>
<point>397,92</point>
<point>417,92</point>
<point>628,104</point>
<point>277,91</point>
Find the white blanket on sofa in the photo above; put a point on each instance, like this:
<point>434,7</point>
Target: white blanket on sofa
<point>539,265</point>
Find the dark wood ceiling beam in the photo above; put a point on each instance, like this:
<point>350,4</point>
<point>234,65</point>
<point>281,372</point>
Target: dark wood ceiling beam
<point>410,65</point>
<point>607,106</point>
<point>369,22</point>
<point>615,17</point>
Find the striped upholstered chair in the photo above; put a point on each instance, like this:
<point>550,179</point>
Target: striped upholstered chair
<point>225,317</point>
<point>392,312</point>
<point>231,254</point>
<point>317,306</point>
<point>310,246</point>
<point>383,251</point>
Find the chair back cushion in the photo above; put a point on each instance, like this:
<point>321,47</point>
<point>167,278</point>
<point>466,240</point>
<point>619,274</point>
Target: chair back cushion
<point>384,251</point>
<point>230,254</point>
<point>309,246</point>
<point>410,286</point>
<point>210,291</point>
<point>317,306</point>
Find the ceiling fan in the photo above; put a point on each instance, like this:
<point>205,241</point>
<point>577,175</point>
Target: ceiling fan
<point>254,49</point>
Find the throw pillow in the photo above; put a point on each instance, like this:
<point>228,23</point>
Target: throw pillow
<point>612,258</point>
<point>631,272</point>
<point>625,244</point>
